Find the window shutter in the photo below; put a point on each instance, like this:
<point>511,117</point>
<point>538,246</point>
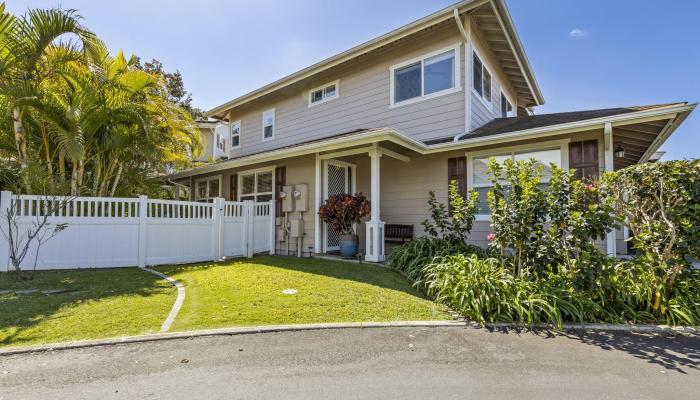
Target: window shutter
<point>457,171</point>
<point>280,181</point>
<point>233,192</point>
<point>583,156</point>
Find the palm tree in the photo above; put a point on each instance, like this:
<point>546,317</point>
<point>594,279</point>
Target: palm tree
<point>24,45</point>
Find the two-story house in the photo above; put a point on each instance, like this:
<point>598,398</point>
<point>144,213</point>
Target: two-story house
<point>407,112</point>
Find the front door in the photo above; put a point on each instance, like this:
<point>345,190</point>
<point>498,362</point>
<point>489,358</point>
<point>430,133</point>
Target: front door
<point>338,178</point>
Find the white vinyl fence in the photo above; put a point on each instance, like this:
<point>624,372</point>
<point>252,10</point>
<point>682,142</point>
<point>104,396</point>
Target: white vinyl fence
<point>105,232</point>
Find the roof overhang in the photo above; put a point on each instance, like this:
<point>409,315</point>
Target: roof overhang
<point>407,30</point>
<point>674,113</point>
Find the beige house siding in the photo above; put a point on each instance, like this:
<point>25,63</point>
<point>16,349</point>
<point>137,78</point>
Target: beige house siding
<point>207,136</point>
<point>483,113</point>
<point>363,102</point>
<point>404,186</point>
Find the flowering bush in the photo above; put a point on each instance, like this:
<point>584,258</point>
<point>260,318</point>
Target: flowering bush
<point>343,210</point>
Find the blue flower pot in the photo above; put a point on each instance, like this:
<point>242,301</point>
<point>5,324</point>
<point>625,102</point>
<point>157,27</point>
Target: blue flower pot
<point>349,245</point>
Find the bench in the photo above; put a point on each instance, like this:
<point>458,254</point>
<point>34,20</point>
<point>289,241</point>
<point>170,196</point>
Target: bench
<point>394,233</point>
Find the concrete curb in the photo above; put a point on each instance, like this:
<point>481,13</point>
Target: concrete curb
<point>178,301</point>
<point>340,325</point>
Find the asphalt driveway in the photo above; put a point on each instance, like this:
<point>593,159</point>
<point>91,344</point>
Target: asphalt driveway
<point>386,363</point>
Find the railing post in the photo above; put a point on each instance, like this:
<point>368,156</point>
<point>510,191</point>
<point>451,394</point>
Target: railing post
<point>5,201</point>
<point>272,227</point>
<point>218,231</point>
<point>143,214</point>
<point>248,232</point>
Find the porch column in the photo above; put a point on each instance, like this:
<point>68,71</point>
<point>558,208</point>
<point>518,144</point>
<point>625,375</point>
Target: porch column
<point>375,226</point>
<point>319,200</point>
<point>609,166</point>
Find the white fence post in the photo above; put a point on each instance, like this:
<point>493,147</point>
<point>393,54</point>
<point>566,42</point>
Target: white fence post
<point>218,227</point>
<point>248,227</point>
<point>5,201</point>
<point>272,226</point>
<point>143,213</point>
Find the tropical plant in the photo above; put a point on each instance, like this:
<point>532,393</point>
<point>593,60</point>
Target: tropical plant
<point>661,204</point>
<point>86,120</point>
<point>455,221</point>
<point>343,210</point>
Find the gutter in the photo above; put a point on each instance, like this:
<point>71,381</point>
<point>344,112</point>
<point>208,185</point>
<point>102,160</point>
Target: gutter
<point>400,138</point>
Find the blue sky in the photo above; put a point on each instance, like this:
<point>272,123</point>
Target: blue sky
<point>585,54</point>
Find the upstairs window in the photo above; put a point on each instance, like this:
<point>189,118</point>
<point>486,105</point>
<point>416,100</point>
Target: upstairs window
<point>506,107</point>
<point>236,135</point>
<point>423,78</point>
<point>481,79</point>
<point>323,94</point>
<point>268,123</point>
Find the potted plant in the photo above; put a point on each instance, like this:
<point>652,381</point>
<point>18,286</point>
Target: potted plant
<point>341,212</point>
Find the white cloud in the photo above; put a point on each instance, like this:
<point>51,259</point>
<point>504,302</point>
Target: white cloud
<point>578,33</point>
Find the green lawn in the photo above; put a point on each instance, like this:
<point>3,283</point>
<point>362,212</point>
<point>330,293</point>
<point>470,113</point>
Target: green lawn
<point>249,292</point>
<point>98,303</point>
<point>102,303</point>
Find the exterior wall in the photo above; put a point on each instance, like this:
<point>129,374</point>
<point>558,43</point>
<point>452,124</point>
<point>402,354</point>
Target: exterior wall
<point>481,112</point>
<point>207,136</point>
<point>363,102</point>
<point>404,186</point>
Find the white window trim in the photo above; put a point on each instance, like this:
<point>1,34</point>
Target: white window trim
<point>274,129</point>
<point>270,169</point>
<point>325,99</point>
<point>458,74</point>
<point>207,179</point>
<point>487,103</point>
<point>230,139</point>
<point>512,104</point>
<point>562,144</point>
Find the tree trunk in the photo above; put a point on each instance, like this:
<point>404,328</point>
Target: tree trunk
<point>116,180</point>
<point>20,138</point>
<point>62,165</point>
<point>74,180</point>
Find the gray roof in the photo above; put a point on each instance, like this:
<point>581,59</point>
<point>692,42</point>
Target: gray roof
<point>515,124</point>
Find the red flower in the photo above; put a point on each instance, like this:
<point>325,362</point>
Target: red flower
<point>491,237</point>
<point>590,187</point>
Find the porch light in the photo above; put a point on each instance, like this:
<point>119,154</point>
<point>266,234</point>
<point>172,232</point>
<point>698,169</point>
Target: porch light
<point>619,151</point>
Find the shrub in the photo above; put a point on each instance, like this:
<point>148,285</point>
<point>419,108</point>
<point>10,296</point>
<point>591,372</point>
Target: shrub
<point>341,211</point>
<point>544,226</point>
<point>411,257</point>
<point>661,203</point>
<point>455,224</point>
<point>483,290</point>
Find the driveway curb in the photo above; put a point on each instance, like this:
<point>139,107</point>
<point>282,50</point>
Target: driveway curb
<point>341,325</point>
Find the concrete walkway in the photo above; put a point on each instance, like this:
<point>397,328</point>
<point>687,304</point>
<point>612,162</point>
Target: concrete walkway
<point>383,363</point>
<point>178,301</point>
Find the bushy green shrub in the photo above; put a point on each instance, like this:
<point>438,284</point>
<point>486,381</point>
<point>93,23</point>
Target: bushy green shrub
<point>453,224</point>
<point>543,226</point>
<point>661,203</point>
<point>411,257</point>
<point>483,290</point>
<point>447,232</point>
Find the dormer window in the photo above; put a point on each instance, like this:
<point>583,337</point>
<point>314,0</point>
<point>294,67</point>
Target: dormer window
<point>481,79</point>
<point>268,123</point>
<point>323,93</point>
<point>506,107</point>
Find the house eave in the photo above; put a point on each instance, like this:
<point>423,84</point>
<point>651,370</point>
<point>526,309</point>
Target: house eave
<point>676,113</point>
<point>406,30</point>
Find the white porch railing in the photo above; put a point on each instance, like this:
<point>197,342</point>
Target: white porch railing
<point>104,232</point>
